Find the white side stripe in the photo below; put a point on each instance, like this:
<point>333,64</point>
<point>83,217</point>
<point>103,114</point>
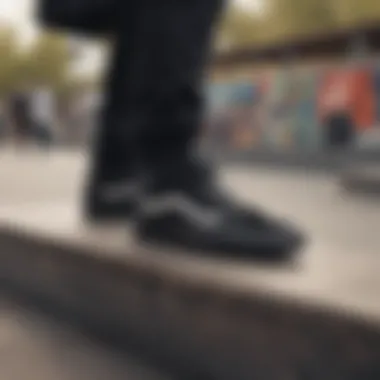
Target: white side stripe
<point>175,202</point>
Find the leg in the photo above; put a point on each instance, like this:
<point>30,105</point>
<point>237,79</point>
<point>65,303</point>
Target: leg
<point>112,176</point>
<point>166,84</point>
<point>183,206</point>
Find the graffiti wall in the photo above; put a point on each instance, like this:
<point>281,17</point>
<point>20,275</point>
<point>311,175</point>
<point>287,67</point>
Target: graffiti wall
<point>296,109</point>
<point>232,119</point>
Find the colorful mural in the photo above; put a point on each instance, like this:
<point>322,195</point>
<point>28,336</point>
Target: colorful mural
<point>346,104</point>
<point>296,109</point>
<point>376,82</point>
<point>278,112</point>
<point>306,128</point>
<point>232,113</point>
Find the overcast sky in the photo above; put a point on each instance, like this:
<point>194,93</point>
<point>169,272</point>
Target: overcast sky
<point>19,13</point>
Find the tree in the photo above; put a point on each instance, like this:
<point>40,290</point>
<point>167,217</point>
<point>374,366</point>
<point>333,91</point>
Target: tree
<point>279,19</point>
<point>354,12</point>
<point>240,28</point>
<point>292,18</point>
<point>47,60</point>
<point>9,61</point>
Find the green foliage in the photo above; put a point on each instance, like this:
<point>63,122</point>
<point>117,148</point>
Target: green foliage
<point>353,12</point>
<point>48,60</point>
<point>45,61</point>
<point>9,62</point>
<point>297,17</point>
<point>240,28</point>
<point>284,19</point>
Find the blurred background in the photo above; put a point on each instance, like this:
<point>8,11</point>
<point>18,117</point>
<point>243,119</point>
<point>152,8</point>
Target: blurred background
<point>290,82</point>
<point>287,76</point>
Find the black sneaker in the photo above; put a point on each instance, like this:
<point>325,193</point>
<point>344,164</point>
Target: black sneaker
<point>111,202</point>
<point>183,210</point>
<point>111,189</point>
<point>254,216</point>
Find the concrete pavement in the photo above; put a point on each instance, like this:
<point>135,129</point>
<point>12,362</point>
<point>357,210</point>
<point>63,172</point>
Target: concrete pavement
<point>237,320</point>
<point>314,201</point>
<point>34,347</point>
<point>44,189</point>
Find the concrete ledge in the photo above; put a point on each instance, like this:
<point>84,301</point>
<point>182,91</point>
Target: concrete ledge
<point>204,316</point>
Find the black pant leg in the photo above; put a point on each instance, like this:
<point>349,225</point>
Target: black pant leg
<point>154,89</point>
<point>164,89</point>
<point>114,158</point>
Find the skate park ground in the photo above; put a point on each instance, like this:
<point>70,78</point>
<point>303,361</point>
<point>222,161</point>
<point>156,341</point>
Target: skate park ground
<point>35,347</point>
<point>329,298</point>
